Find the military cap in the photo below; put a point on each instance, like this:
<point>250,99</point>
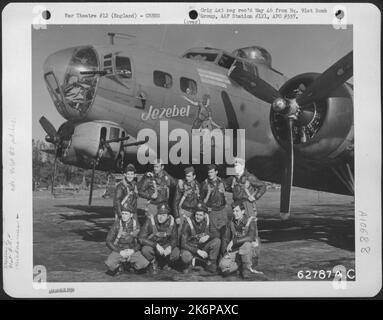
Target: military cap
<point>163,208</point>
<point>211,167</point>
<point>241,161</point>
<point>130,167</point>
<point>189,169</point>
<point>200,206</point>
<point>127,211</point>
<point>239,204</point>
<point>128,208</point>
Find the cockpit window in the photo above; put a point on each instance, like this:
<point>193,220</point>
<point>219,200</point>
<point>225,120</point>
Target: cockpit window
<point>123,67</point>
<point>226,61</point>
<point>249,67</point>
<point>162,79</point>
<point>188,86</point>
<point>201,56</point>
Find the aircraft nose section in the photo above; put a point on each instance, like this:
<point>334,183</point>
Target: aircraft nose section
<point>58,62</point>
<point>71,77</point>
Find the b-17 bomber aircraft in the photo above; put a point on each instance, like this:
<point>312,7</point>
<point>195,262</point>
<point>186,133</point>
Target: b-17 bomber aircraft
<point>299,131</point>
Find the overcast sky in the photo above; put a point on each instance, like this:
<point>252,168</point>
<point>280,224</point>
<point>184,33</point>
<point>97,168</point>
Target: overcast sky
<point>294,48</point>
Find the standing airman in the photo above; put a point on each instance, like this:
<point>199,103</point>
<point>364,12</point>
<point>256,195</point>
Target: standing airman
<point>213,195</point>
<point>156,187</point>
<point>186,197</point>
<point>126,192</point>
<point>245,187</point>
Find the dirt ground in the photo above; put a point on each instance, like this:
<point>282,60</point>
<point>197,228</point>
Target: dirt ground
<point>69,237</point>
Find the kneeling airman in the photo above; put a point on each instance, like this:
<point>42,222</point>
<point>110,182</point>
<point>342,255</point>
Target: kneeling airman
<point>200,243</point>
<point>158,238</point>
<point>122,240</point>
<point>239,242</point>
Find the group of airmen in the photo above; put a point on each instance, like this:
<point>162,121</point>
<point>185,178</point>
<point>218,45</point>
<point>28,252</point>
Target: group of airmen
<point>188,225</point>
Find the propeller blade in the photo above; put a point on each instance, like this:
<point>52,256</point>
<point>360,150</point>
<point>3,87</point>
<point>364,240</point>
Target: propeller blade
<point>332,78</point>
<point>287,177</point>
<point>54,172</point>
<point>66,130</point>
<point>48,127</point>
<point>91,183</point>
<point>253,84</point>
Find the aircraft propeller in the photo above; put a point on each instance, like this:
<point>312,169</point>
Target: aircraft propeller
<point>52,135</point>
<point>328,81</point>
<point>293,110</point>
<point>253,84</point>
<point>54,138</point>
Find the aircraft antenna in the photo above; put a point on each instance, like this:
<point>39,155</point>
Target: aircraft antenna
<point>120,35</point>
<point>163,37</point>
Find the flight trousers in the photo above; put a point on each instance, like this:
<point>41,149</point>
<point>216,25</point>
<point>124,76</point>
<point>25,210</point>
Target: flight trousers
<point>151,253</point>
<point>136,260</point>
<point>211,247</point>
<point>229,262</point>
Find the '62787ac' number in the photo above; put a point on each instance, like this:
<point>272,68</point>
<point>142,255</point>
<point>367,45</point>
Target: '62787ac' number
<point>338,272</point>
<point>314,274</point>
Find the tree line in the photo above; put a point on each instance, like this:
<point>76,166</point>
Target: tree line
<point>66,175</point>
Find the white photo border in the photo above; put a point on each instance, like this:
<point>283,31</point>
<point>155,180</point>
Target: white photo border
<point>17,20</point>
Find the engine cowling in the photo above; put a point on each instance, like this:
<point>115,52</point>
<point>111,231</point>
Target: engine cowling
<point>325,129</point>
<point>85,143</point>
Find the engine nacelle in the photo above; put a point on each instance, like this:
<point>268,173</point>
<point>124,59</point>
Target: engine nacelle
<point>85,144</point>
<point>325,129</point>
<point>86,138</point>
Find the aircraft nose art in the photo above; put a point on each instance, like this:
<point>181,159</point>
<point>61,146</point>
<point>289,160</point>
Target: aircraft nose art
<point>71,76</point>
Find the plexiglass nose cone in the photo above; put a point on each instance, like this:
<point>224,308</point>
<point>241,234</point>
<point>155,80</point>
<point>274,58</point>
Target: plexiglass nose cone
<point>70,81</point>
